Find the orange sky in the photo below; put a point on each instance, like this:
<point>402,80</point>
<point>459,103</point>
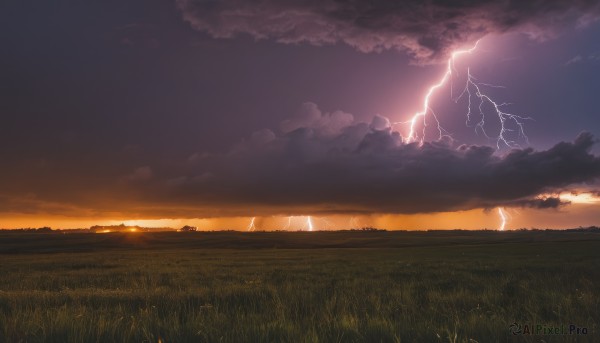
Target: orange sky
<point>583,211</point>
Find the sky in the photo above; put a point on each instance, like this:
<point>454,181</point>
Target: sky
<point>214,112</point>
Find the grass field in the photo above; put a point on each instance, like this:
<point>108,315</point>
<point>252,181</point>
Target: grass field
<point>299,287</point>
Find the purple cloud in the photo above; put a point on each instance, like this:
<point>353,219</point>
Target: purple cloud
<point>427,30</point>
<point>366,168</point>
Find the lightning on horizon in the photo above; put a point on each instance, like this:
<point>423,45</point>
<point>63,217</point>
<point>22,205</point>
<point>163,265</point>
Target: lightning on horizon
<point>252,226</point>
<point>503,219</point>
<point>309,223</point>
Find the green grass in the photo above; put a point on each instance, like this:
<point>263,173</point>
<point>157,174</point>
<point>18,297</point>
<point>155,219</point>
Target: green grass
<point>162,291</point>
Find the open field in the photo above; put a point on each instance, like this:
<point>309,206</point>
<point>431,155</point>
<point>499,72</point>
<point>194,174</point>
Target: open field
<point>299,287</point>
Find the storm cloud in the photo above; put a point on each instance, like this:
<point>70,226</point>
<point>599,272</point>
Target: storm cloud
<point>539,203</point>
<point>367,168</point>
<point>427,30</point>
<point>323,163</point>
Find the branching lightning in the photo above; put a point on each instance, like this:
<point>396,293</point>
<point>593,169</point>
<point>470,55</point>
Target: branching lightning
<point>471,89</point>
<point>412,135</point>
<point>479,107</point>
<point>503,117</point>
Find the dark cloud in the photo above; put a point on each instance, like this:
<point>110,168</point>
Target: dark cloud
<point>324,163</point>
<point>366,168</point>
<point>32,204</point>
<point>539,203</point>
<point>426,29</point>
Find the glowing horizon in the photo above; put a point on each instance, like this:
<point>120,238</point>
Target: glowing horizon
<point>583,208</point>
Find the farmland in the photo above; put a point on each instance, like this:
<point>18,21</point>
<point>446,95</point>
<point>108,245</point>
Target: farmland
<point>440,286</point>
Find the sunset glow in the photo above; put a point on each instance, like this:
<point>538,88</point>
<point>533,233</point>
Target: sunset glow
<point>580,198</point>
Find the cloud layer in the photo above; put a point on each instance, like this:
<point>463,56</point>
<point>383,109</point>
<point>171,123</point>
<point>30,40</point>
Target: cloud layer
<point>427,30</point>
<point>322,163</point>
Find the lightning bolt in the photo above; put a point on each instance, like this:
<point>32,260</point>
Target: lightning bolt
<point>309,223</point>
<point>412,135</point>
<point>503,219</point>
<point>251,226</point>
<point>471,89</point>
<point>504,117</point>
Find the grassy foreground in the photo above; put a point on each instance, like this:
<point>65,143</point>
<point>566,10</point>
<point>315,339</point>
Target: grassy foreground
<point>470,291</point>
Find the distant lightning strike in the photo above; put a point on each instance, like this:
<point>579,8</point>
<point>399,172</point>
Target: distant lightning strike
<point>251,226</point>
<point>309,223</point>
<point>503,219</point>
<point>472,88</point>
